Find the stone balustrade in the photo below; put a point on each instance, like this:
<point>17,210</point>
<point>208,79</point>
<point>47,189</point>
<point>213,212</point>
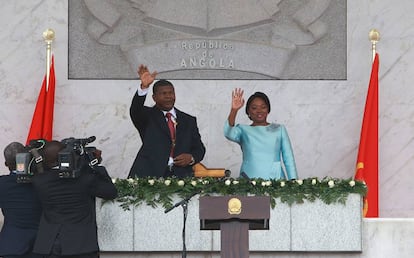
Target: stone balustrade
<point>311,226</point>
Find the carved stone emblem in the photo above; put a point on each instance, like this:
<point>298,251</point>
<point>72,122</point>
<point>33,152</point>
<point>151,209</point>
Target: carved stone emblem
<point>210,39</point>
<point>234,206</point>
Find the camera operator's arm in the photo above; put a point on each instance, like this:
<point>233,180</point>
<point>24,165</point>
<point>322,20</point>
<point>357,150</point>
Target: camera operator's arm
<point>101,171</point>
<point>103,187</point>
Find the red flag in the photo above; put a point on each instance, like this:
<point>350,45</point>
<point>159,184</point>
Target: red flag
<point>367,162</point>
<point>42,121</point>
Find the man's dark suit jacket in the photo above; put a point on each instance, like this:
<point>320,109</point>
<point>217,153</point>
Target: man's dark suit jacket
<point>21,210</point>
<point>152,158</point>
<point>69,210</point>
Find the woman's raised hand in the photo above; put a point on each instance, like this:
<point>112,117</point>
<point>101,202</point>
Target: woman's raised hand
<point>237,100</point>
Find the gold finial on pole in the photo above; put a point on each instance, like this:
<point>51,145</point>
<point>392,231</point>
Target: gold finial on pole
<point>48,36</point>
<point>374,37</point>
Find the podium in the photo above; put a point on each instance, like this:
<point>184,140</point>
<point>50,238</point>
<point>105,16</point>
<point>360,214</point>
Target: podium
<point>234,216</point>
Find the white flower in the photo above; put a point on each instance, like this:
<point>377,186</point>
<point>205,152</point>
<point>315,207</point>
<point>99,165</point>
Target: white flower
<point>193,183</point>
<point>282,184</point>
<point>180,182</point>
<point>331,183</point>
<point>253,182</point>
<point>263,183</point>
<point>352,183</point>
<point>314,181</point>
<point>151,181</point>
<point>167,182</point>
<point>268,183</point>
<point>235,182</point>
<point>299,181</point>
<point>113,180</point>
<point>227,182</point>
<point>130,180</point>
<point>206,182</point>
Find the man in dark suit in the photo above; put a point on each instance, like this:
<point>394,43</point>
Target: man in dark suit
<point>163,153</point>
<point>68,222</point>
<point>20,208</point>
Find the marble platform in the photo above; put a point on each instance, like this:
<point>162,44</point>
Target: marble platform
<point>381,238</point>
<point>308,227</point>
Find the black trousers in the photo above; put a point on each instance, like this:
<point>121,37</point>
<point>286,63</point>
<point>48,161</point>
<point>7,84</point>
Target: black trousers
<point>57,252</point>
<point>27,255</point>
<point>89,255</point>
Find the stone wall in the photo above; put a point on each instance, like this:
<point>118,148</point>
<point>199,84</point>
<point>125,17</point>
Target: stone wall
<point>323,117</point>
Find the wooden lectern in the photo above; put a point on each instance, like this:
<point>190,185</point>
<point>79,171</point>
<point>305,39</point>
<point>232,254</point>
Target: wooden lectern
<point>234,216</point>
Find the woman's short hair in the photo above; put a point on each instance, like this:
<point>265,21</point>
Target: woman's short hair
<point>260,95</point>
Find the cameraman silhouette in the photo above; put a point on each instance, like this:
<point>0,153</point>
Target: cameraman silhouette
<point>68,222</point>
<point>21,210</point>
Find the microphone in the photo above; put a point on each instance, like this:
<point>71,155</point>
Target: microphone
<point>185,200</point>
<point>87,140</point>
<point>81,141</point>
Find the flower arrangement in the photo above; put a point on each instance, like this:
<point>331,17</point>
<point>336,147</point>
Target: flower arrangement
<point>160,191</point>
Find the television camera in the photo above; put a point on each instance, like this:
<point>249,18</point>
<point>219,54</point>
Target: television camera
<point>75,156</point>
<point>30,162</point>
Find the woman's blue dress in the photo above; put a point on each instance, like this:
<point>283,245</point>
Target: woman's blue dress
<point>263,148</point>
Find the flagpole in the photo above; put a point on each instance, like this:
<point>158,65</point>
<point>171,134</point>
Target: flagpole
<point>48,36</point>
<point>374,37</point>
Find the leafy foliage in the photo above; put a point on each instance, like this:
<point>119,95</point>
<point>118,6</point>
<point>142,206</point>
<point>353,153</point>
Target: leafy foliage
<point>160,191</point>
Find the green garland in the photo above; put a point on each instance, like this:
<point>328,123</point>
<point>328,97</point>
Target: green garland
<point>160,191</point>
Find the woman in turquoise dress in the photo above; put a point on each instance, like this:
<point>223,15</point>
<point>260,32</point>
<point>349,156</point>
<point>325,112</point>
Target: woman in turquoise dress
<point>264,145</point>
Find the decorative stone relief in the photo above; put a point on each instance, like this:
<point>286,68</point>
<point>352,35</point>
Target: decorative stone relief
<point>208,39</point>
